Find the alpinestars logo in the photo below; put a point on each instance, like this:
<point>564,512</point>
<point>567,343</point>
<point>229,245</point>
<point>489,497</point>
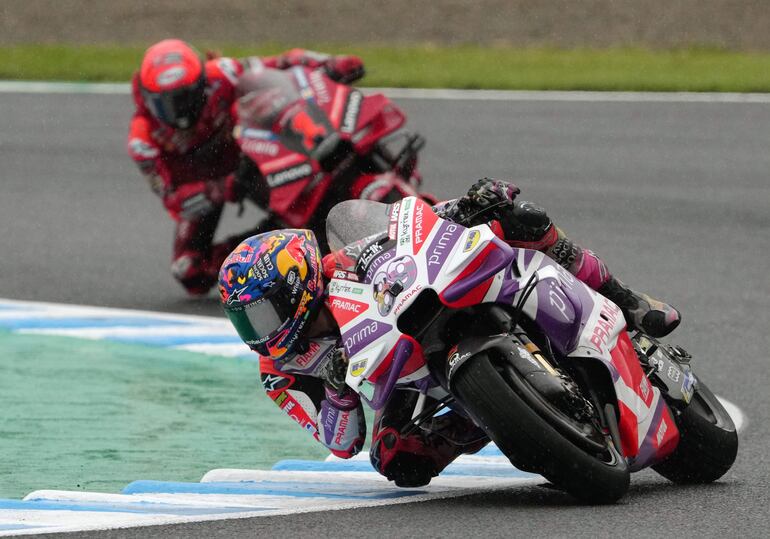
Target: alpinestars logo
<point>273,382</point>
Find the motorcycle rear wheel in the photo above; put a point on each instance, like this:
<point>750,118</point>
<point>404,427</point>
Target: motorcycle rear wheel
<point>530,440</point>
<point>708,441</point>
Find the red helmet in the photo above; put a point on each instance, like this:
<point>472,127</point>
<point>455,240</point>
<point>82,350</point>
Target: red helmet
<point>172,80</point>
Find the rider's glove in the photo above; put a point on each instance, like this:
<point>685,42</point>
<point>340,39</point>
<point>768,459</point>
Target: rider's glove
<point>345,69</point>
<point>233,190</point>
<point>335,372</point>
<point>488,194</point>
<point>247,182</point>
<point>192,200</point>
<point>486,200</point>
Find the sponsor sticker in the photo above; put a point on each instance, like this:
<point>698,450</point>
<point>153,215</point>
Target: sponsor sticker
<point>273,382</point>
<point>440,247</point>
<point>339,287</point>
<point>357,368</point>
<point>289,175</point>
<point>471,240</point>
<point>423,221</point>
<point>455,359</point>
<point>363,334</point>
<point>170,76</point>
<point>352,108</point>
<point>319,87</point>
<point>604,325</point>
<point>260,147</point>
<point>404,231</point>
<point>345,309</point>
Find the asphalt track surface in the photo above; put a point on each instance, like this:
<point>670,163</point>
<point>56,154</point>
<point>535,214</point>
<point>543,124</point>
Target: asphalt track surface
<point>675,196</point>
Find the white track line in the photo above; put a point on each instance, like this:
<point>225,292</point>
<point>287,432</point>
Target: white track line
<point>32,87</point>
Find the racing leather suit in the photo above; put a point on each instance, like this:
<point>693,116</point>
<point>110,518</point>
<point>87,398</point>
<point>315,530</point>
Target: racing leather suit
<point>195,171</point>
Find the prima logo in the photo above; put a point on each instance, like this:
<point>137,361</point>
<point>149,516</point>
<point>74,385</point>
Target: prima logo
<point>364,334</point>
<point>437,253</point>
<point>377,262</point>
<point>440,247</point>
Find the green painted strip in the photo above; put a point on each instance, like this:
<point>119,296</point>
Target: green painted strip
<point>463,66</point>
<point>85,415</point>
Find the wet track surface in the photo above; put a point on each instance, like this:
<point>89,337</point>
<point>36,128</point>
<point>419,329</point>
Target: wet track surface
<point>674,196</point>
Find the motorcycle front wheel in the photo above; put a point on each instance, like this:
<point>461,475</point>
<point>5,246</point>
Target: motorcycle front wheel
<point>538,441</point>
<point>708,441</point>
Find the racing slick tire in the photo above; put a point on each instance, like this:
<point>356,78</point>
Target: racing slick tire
<point>533,442</point>
<point>708,441</point>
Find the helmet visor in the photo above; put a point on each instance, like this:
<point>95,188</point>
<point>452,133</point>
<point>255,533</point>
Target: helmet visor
<point>180,107</point>
<point>257,322</point>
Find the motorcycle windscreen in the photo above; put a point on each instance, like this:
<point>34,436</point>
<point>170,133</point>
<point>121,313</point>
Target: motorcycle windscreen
<point>264,95</point>
<point>352,220</point>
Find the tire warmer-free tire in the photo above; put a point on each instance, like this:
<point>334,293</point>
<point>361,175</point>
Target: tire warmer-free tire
<point>708,441</point>
<point>530,442</point>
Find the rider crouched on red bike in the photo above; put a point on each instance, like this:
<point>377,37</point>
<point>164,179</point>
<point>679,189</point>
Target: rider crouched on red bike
<point>272,287</point>
<point>180,136</point>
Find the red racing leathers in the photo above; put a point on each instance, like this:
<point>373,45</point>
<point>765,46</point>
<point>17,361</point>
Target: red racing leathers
<point>195,170</point>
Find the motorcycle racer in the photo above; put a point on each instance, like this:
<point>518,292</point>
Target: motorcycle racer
<point>180,137</point>
<point>272,287</point>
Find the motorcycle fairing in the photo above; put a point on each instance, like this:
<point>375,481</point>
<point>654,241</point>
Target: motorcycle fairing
<point>467,266</point>
<point>444,256</point>
<point>582,323</point>
<point>286,144</point>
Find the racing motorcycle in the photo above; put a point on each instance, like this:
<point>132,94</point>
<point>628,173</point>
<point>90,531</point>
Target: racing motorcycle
<point>317,142</point>
<point>537,359</point>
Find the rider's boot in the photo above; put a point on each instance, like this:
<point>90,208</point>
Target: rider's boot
<point>641,311</point>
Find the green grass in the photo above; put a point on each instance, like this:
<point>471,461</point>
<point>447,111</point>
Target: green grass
<point>697,69</point>
<point>95,415</point>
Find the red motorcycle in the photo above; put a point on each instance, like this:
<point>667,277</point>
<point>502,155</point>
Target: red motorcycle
<point>317,142</point>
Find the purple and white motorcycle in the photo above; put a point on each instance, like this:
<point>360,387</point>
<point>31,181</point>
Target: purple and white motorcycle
<point>542,363</point>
